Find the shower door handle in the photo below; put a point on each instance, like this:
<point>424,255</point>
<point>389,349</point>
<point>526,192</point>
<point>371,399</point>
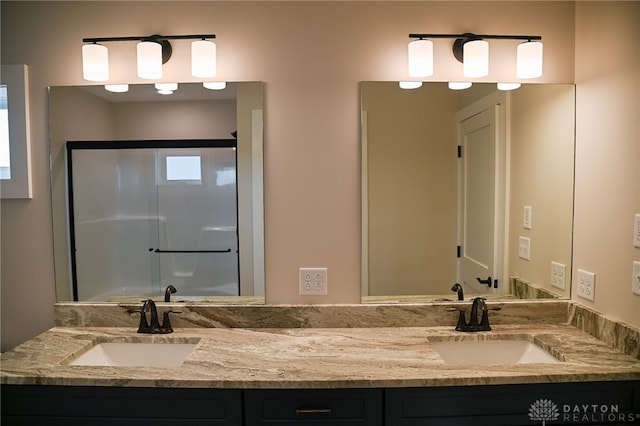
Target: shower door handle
<point>189,251</point>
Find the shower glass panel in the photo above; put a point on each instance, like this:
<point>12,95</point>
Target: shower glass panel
<point>147,214</point>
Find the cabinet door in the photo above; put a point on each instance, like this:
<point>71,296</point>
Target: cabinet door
<point>558,403</point>
<point>313,407</point>
<point>77,405</point>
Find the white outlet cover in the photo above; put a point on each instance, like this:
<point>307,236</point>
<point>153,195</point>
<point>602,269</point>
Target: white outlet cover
<point>312,281</point>
<point>558,275</point>
<point>586,285</point>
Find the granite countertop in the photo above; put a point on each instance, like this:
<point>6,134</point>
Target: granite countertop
<point>314,358</point>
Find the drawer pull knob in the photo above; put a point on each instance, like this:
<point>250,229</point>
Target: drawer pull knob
<point>305,411</point>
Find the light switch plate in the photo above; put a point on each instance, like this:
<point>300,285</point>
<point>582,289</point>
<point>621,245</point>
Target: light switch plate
<point>636,231</point>
<point>524,248</point>
<point>526,220</point>
<point>635,284</point>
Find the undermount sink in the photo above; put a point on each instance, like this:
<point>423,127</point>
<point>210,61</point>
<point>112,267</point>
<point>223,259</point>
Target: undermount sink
<point>134,354</point>
<point>486,352</point>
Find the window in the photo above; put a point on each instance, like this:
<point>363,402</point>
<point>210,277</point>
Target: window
<point>5,156</point>
<point>184,168</point>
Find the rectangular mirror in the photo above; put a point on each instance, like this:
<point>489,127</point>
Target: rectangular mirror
<point>472,187</point>
<point>130,216</point>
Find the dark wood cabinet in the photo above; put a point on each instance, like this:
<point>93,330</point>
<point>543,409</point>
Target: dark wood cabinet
<point>80,405</point>
<point>558,403</point>
<point>590,403</point>
<point>313,407</point>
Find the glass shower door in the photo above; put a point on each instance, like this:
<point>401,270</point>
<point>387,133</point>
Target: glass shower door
<point>147,214</point>
<point>197,221</point>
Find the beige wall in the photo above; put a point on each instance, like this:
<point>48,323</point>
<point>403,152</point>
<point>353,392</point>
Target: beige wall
<point>311,56</point>
<point>411,188</point>
<point>541,176</point>
<point>607,152</point>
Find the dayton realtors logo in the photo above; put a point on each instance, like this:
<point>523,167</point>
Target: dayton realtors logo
<point>545,410</point>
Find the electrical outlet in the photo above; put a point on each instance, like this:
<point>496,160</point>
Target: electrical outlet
<point>313,281</point>
<point>524,248</point>
<point>635,284</point>
<point>586,284</point>
<point>558,272</point>
<point>526,221</point>
<point>636,231</point>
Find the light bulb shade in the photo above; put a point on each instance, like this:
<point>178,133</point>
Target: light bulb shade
<point>476,58</point>
<point>459,85</point>
<point>117,88</point>
<point>166,86</point>
<point>203,58</point>
<point>95,62</point>
<point>215,85</point>
<point>529,59</point>
<point>420,58</point>
<point>410,84</point>
<point>149,60</point>
<point>508,86</point>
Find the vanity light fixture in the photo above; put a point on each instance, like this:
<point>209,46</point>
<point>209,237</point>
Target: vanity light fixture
<point>215,85</point>
<point>95,62</point>
<point>459,85</point>
<point>508,86</point>
<point>152,52</point>
<point>117,88</point>
<point>473,51</point>
<point>166,88</point>
<point>410,84</point>
<point>420,58</point>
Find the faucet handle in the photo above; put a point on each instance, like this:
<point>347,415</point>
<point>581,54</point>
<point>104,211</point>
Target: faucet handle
<point>166,323</point>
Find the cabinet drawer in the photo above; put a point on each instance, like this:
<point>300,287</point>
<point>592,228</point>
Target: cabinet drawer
<point>314,406</point>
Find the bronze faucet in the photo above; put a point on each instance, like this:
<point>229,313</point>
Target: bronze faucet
<point>155,327</point>
<point>473,324</point>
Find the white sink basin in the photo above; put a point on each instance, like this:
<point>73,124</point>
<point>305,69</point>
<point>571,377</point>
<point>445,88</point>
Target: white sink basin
<point>492,352</point>
<point>136,354</point>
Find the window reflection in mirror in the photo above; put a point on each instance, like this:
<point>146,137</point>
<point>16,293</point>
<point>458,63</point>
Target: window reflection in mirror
<point>410,190</point>
<point>5,154</point>
<point>90,113</point>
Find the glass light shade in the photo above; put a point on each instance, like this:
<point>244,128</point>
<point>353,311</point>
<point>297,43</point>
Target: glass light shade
<point>203,58</point>
<point>476,58</point>
<point>459,85</point>
<point>215,85</point>
<point>95,62</point>
<point>166,86</point>
<point>508,86</point>
<point>149,60</point>
<point>420,58</point>
<point>529,59</point>
<point>117,88</point>
<point>410,84</point>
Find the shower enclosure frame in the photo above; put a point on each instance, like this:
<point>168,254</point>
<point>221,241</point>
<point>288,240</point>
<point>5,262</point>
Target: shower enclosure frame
<point>132,144</point>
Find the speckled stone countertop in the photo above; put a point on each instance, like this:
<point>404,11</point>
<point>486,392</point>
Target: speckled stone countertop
<point>315,358</point>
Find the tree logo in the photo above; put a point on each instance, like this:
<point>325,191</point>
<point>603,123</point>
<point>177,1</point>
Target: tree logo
<point>544,410</point>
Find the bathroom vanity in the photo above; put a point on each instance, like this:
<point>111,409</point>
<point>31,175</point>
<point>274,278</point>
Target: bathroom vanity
<point>345,374</point>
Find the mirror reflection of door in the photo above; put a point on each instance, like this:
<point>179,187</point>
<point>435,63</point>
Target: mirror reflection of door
<point>481,209</point>
<point>149,214</point>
